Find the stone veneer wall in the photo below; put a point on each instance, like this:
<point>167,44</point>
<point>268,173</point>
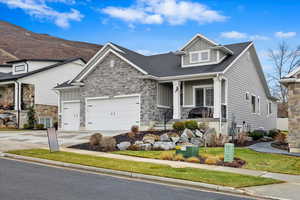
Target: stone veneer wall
<point>121,79</point>
<point>46,111</point>
<point>7,95</point>
<point>294,116</point>
<point>27,96</point>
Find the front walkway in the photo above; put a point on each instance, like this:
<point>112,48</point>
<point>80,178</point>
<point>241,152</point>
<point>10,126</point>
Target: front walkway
<point>288,190</point>
<point>265,147</point>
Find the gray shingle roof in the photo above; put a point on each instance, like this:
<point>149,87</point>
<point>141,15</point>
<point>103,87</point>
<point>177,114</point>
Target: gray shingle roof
<point>10,76</point>
<point>169,64</point>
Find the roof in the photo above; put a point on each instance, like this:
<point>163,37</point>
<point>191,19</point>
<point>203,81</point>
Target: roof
<point>38,59</point>
<point>64,84</point>
<point>169,64</point>
<point>5,65</point>
<point>10,76</point>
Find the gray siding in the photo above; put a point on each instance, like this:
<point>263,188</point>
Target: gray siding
<point>188,89</point>
<point>198,45</point>
<point>243,77</point>
<point>165,94</point>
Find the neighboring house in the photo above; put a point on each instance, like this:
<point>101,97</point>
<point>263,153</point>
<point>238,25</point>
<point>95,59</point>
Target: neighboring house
<point>30,82</point>
<point>119,88</point>
<point>292,82</point>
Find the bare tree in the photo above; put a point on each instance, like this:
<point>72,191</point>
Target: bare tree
<point>285,60</point>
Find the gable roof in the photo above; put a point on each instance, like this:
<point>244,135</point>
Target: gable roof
<point>11,77</point>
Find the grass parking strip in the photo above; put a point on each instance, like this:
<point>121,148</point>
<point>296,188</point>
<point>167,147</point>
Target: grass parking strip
<point>191,174</point>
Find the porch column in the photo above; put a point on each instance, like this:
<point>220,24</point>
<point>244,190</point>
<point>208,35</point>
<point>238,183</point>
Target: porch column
<point>176,100</point>
<point>217,97</point>
<point>17,96</point>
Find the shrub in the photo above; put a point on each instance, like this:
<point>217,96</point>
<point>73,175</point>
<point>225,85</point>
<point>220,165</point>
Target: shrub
<point>40,126</point>
<point>26,126</point>
<point>193,160</point>
<point>95,139</point>
<point>242,138</point>
<point>134,147</point>
<point>55,125</point>
<point>179,157</point>
<point>108,144</point>
<point>191,124</point>
<point>31,117</point>
<point>211,160</point>
<point>179,126</point>
<point>257,134</point>
<point>167,155</point>
<point>273,133</point>
<point>281,137</point>
<point>135,129</point>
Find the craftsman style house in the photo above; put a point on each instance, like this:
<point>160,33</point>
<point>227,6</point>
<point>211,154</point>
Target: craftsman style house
<point>29,82</point>
<point>202,80</point>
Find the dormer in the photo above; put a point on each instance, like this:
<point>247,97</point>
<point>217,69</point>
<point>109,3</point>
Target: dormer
<point>28,65</point>
<point>201,51</point>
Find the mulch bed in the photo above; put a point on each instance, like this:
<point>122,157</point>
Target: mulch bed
<point>281,146</point>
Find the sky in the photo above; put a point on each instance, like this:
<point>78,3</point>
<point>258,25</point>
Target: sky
<point>157,26</point>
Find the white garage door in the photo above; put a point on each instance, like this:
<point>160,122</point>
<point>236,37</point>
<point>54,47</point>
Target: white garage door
<point>112,114</point>
<point>70,116</point>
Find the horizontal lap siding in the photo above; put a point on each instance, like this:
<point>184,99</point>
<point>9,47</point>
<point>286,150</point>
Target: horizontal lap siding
<point>243,77</point>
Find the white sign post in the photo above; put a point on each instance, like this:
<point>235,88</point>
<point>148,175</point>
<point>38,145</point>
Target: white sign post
<point>52,140</point>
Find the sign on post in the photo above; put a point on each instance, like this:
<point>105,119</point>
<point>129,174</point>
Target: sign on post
<point>228,152</point>
<point>52,140</point>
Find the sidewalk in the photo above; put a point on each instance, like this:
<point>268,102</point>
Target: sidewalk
<point>288,190</point>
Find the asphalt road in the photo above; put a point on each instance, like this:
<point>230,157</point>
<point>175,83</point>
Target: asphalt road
<point>27,181</point>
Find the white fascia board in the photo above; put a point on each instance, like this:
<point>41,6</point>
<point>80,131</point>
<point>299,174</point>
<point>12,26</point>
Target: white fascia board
<point>195,37</point>
<point>166,78</point>
<point>237,58</point>
<point>102,57</point>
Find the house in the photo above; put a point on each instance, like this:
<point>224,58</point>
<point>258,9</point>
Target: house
<point>292,82</point>
<point>29,82</point>
<point>119,88</point>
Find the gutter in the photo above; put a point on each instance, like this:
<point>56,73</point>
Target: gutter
<point>166,78</point>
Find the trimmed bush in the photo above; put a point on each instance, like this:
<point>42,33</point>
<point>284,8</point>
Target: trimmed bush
<point>26,126</point>
<point>179,157</point>
<point>167,155</point>
<point>135,129</point>
<point>179,126</point>
<point>191,124</point>
<point>40,126</point>
<point>257,134</point>
<point>273,133</point>
<point>193,160</point>
<point>211,160</point>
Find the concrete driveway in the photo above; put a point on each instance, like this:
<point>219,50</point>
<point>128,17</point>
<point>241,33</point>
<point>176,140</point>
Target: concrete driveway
<point>40,137</point>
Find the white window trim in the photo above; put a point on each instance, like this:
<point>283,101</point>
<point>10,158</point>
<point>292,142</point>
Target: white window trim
<point>200,58</point>
<point>204,94</point>
<point>253,95</point>
<point>21,65</point>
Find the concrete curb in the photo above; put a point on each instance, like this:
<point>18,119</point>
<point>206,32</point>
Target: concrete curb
<point>158,179</point>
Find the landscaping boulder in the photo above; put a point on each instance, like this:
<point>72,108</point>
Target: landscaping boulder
<point>197,141</point>
<point>95,139</point>
<point>146,147</point>
<point>164,137</point>
<point>187,133</point>
<point>123,145</point>
<point>150,138</point>
<point>107,143</point>
<point>164,145</point>
<point>198,133</point>
<point>138,143</point>
<point>175,139</point>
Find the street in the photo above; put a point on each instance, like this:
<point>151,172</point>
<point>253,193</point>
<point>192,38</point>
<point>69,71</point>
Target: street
<point>27,181</point>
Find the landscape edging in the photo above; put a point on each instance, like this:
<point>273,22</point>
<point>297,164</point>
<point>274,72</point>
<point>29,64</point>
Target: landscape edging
<point>139,176</point>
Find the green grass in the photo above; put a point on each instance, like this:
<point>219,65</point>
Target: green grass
<point>11,129</point>
<point>192,174</point>
<point>254,160</point>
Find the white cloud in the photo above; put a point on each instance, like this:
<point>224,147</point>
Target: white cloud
<point>285,34</point>
<point>145,52</point>
<point>39,9</point>
<point>234,35</point>
<point>175,12</point>
<point>258,37</point>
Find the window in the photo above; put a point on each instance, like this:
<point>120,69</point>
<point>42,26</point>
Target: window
<point>258,105</point>
<point>47,121</point>
<point>269,106</point>
<point>204,96</point>
<point>199,56</point>
<point>253,103</point>
<point>19,68</point>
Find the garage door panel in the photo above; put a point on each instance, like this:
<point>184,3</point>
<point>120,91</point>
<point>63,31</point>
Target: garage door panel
<point>113,114</point>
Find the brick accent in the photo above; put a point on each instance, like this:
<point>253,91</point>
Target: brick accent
<point>294,116</point>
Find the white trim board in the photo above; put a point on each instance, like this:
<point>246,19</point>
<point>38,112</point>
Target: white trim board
<point>195,37</point>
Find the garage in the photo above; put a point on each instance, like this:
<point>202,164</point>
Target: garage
<point>70,115</point>
<point>117,113</point>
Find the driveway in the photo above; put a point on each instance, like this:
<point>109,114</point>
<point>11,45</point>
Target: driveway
<point>40,137</point>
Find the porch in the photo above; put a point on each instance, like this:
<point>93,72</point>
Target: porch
<point>204,99</point>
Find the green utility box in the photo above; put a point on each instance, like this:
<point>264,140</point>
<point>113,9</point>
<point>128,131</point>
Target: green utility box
<point>188,151</point>
<point>228,152</point>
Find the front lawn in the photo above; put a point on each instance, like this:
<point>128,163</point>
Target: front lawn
<point>191,174</point>
<point>254,160</point>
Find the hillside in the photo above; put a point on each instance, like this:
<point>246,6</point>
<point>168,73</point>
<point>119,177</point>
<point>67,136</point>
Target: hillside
<point>19,43</point>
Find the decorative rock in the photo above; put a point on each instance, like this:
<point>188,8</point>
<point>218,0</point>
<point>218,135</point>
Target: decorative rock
<point>164,137</point>
<point>138,143</point>
<point>123,145</point>
<point>197,141</point>
<point>187,133</point>
<point>175,139</point>
<point>210,131</point>
<point>164,145</point>
<point>198,133</point>
<point>146,147</point>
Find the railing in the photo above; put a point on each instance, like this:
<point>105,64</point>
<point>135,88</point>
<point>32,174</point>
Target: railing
<point>201,112</point>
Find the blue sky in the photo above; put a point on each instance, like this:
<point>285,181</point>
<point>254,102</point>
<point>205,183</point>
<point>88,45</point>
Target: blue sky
<point>155,26</point>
